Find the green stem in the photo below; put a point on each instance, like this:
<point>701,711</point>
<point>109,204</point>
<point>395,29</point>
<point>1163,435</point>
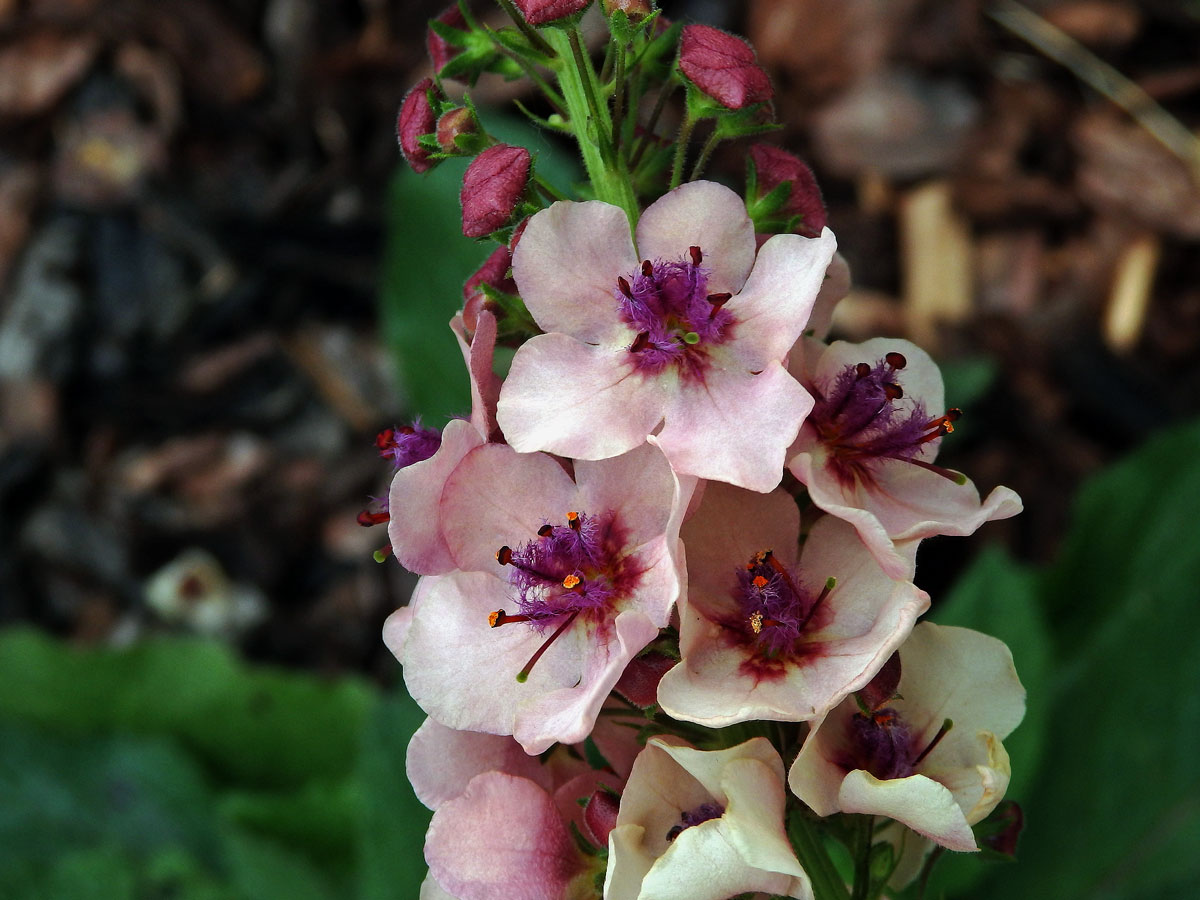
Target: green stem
<point>709,146</point>
<point>553,97</point>
<point>535,39</point>
<point>552,193</point>
<point>587,77</point>
<point>863,838</point>
<point>618,102</point>
<point>827,883</point>
<point>610,182</point>
<point>648,132</point>
<point>681,142</point>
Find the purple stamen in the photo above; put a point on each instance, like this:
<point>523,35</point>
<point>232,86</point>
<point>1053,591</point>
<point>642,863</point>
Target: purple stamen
<point>775,611</point>
<point>675,318</point>
<point>408,444</point>
<point>691,817</point>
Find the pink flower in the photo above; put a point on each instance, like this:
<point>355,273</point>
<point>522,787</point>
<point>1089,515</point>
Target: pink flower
<point>931,758</point>
<point>723,66</point>
<point>562,582</point>
<point>696,825</point>
<point>765,638</point>
<point>492,188</point>
<point>866,451</point>
<point>415,119</point>
<point>687,344</point>
<point>774,166</point>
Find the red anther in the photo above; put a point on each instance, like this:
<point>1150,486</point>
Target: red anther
<point>892,390</point>
<point>385,438</point>
<point>573,583</point>
<point>624,286</point>
<point>953,414</point>
<point>895,360</point>
<point>696,255</point>
<point>504,555</point>
<point>884,716</point>
<point>640,342</point>
<point>367,519</point>
<point>647,268</point>
<point>760,582</point>
<point>545,530</point>
<point>500,617</point>
<point>573,521</point>
<point>862,370</point>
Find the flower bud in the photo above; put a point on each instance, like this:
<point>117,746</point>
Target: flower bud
<point>636,10</point>
<point>493,273</point>
<point>775,166</point>
<point>440,50</point>
<point>541,12</point>
<point>723,66</point>
<point>415,119</point>
<point>600,815</point>
<point>492,188</point>
<point>639,682</point>
<point>451,125</point>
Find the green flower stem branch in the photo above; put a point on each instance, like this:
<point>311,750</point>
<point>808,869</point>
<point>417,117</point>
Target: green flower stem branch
<point>591,123</point>
<point>827,883</point>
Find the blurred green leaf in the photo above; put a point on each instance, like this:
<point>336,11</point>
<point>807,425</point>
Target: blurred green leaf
<point>1115,812</point>
<point>392,831</point>
<point>100,874</point>
<point>265,870</point>
<point>319,818</point>
<point>426,261</point>
<point>254,726</point>
<point>967,380</point>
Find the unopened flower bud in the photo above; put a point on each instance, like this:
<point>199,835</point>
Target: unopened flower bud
<point>1001,830</point>
<point>775,166</point>
<point>451,125</point>
<point>636,10</point>
<point>492,188</point>
<point>493,273</point>
<point>723,66</point>
<point>440,50</point>
<point>639,682</point>
<point>600,815</point>
<point>542,12</point>
<point>415,119</point>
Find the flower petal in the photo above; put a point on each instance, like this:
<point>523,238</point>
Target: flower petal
<point>576,400</point>
<point>567,265</point>
<point>921,803</point>
<point>701,214</point>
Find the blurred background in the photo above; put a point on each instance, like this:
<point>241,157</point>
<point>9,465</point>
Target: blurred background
<point>218,285</point>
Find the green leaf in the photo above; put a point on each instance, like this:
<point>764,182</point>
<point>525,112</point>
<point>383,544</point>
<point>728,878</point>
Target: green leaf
<point>392,829</point>
<point>262,869</point>
<point>319,818</point>
<point>967,380</point>
<point>257,727</point>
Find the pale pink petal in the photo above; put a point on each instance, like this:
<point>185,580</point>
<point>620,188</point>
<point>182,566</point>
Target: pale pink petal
<point>431,890</point>
<point>645,512</point>
<point>979,779</point>
<point>503,837</point>
<point>441,761</point>
<point>395,629</point>
<point>701,214</point>
<point>477,354</point>
<point>833,289</point>
<point>414,503</point>
<point>922,804</point>
<point>568,713</point>
<point>814,776</point>
<point>497,497</point>
<point>735,427</point>
<point>754,821</point>
<point>704,865</point>
<point>628,862</point>
<point>567,264</point>
<point>577,400</point>
<point>773,307</point>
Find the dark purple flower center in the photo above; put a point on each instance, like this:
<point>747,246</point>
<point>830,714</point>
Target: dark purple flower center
<point>883,744</point>
<point>860,419</point>
<point>408,444</point>
<point>676,319</point>
<point>774,609</point>
<point>580,567</point>
<point>692,817</point>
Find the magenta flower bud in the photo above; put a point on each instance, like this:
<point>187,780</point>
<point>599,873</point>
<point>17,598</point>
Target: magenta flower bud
<point>723,66</point>
<point>542,12</point>
<point>639,682</point>
<point>440,50</point>
<point>1003,828</point>
<point>452,124</point>
<point>494,273</point>
<point>600,815</point>
<point>415,119</point>
<point>775,166</point>
<point>492,188</point>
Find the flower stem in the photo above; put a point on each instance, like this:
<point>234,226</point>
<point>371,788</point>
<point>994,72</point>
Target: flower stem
<point>526,29</point>
<point>681,142</point>
<point>827,883</point>
<point>618,101</point>
<point>863,838</point>
<point>648,132</point>
<point>591,125</point>
<point>709,146</point>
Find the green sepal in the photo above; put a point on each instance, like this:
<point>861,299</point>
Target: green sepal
<point>516,43</point>
<point>514,320</point>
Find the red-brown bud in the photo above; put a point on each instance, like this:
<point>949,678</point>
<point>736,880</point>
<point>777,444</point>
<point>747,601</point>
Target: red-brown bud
<point>415,119</point>
<point>452,124</point>
<point>441,51</point>
<point>541,12</point>
<point>600,815</point>
<point>775,166</point>
<point>494,273</point>
<point>639,682</point>
<point>492,188</point>
<point>636,10</point>
<point>723,66</point>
